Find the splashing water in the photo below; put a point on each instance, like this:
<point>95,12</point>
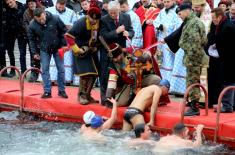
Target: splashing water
<point>50,138</point>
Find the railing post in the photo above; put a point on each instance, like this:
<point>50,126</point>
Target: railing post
<point>219,109</point>
<point>22,85</point>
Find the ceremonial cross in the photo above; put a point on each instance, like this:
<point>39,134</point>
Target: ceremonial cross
<point>138,68</point>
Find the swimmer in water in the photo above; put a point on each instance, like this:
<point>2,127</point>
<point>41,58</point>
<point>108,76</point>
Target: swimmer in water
<point>95,123</point>
<point>179,139</point>
<point>142,134</point>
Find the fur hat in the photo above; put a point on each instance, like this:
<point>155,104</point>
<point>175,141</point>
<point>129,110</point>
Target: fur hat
<point>115,49</point>
<point>94,12</point>
<point>182,7</point>
<point>223,2</point>
<point>198,2</point>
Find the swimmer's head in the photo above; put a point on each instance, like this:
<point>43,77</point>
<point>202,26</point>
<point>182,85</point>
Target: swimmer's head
<point>87,117</point>
<point>142,131</point>
<point>165,86</point>
<point>180,130</point>
<point>96,122</point>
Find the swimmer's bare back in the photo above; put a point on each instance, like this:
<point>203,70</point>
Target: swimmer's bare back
<point>144,97</point>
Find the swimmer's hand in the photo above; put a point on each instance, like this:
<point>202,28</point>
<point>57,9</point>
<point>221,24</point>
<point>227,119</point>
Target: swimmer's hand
<point>113,101</point>
<point>150,123</point>
<point>199,128</point>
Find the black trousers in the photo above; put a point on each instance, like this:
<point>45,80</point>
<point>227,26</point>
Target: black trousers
<point>8,46</point>
<point>214,81</point>
<point>103,73</point>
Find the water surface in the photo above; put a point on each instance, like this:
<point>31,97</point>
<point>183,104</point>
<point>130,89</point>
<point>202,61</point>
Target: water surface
<point>53,138</point>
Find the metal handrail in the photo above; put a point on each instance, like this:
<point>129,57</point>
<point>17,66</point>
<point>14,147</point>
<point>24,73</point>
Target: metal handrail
<point>186,97</point>
<point>12,67</point>
<point>22,85</point>
<point>219,110</point>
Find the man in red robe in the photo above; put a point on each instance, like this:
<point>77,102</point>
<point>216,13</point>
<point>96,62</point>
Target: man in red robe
<point>147,13</point>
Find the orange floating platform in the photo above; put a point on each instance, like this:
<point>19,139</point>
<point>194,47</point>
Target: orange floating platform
<point>69,110</point>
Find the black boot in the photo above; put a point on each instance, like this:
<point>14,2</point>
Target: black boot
<point>5,74</point>
<point>193,110</point>
<point>82,95</point>
<point>91,80</point>
<point>33,76</point>
<point>62,94</point>
<point>12,73</point>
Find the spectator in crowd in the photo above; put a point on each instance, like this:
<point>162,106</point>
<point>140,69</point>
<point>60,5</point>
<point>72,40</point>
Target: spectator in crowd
<point>202,10</point>
<point>105,7</point>
<point>223,5</point>
<point>85,5</point>
<point>74,5</point>
<point>115,27</point>
<point>27,17</point>
<point>137,40</point>
<point>172,67</point>
<point>15,30</point>
<point>158,3</point>
<point>231,13</point>
<point>68,17</point>
<point>214,69</point>
<point>48,31</point>
<point>224,40</point>
<point>44,3</point>
<point>3,40</point>
<point>193,32</point>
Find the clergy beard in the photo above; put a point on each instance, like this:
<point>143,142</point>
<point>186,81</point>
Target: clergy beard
<point>168,9</point>
<point>198,14</point>
<point>160,6</point>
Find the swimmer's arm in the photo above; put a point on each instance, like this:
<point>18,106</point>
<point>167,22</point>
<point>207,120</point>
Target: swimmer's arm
<point>82,128</point>
<point>108,124</point>
<point>156,97</point>
<point>198,141</point>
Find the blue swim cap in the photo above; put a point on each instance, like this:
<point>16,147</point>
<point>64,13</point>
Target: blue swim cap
<point>96,121</point>
<point>165,83</point>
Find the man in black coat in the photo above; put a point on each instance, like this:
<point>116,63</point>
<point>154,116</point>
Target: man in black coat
<point>2,40</point>
<point>15,30</point>
<point>115,28</point>
<point>47,30</point>
<point>213,72</point>
<point>231,13</point>
<point>224,43</point>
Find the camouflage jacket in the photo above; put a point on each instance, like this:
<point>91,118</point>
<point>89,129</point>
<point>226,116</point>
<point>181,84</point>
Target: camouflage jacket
<point>193,40</point>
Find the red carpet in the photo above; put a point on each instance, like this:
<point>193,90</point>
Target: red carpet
<point>69,110</point>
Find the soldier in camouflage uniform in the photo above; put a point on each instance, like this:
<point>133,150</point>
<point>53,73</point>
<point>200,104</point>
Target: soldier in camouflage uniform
<point>192,41</point>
